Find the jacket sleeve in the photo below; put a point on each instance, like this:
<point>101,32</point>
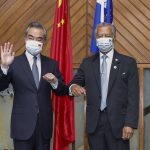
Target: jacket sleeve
<point>79,77</point>
<point>133,97</point>
<point>62,88</point>
<point>4,80</point>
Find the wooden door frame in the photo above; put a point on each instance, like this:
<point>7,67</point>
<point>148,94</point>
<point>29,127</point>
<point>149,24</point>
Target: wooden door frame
<point>141,68</point>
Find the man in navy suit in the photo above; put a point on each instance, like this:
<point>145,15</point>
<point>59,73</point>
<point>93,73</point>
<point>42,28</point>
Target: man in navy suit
<point>33,77</point>
<point>111,86</point>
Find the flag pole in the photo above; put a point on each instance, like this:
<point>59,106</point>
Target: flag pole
<point>85,131</point>
<point>73,145</point>
<point>102,10</point>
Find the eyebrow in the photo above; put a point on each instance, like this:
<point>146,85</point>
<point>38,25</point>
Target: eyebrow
<point>103,34</point>
<point>35,37</point>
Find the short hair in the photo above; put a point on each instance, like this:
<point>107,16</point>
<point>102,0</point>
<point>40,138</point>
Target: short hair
<point>38,25</point>
<point>104,24</point>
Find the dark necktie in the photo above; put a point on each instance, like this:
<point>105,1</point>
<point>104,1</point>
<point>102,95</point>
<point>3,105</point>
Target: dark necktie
<point>35,71</point>
<point>104,83</point>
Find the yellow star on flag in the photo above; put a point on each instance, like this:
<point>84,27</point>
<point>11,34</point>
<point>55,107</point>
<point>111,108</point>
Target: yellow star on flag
<point>62,21</point>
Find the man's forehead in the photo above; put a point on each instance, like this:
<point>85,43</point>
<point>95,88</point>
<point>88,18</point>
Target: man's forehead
<point>34,30</point>
<point>105,27</point>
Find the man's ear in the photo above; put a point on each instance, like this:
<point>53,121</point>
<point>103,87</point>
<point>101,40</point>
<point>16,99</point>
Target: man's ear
<point>25,38</point>
<point>44,43</point>
<point>114,38</point>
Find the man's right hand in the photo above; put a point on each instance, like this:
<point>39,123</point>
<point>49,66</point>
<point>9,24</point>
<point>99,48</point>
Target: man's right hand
<point>7,56</point>
<point>77,90</point>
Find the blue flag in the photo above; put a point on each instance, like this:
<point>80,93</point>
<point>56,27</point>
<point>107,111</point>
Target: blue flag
<point>103,13</point>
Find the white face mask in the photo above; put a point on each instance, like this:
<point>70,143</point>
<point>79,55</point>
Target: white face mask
<point>34,47</point>
<point>104,44</point>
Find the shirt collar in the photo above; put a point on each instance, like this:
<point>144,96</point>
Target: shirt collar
<point>30,57</point>
<point>109,54</point>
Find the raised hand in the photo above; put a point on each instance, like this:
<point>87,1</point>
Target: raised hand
<point>7,56</point>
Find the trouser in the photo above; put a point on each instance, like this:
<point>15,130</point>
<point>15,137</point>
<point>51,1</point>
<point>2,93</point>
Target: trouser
<point>103,138</point>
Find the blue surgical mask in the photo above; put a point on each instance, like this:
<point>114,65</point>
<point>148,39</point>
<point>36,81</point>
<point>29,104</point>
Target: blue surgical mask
<point>104,44</point>
<point>34,47</point>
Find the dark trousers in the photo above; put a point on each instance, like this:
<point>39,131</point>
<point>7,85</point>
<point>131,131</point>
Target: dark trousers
<point>36,142</point>
<point>103,138</point>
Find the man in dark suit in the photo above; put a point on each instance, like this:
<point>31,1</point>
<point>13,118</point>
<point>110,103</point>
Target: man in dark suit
<point>32,117</point>
<point>110,82</point>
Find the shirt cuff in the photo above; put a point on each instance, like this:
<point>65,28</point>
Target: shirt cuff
<point>4,70</point>
<point>54,85</point>
<point>70,92</point>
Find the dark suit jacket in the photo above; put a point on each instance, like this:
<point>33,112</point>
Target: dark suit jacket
<point>123,92</point>
<point>28,100</point>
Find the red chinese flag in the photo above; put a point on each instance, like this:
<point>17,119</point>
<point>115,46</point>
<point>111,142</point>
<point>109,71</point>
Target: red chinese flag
<point>61,50</point>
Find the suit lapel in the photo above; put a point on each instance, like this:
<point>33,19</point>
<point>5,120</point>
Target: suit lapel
<point>27,70</point>
<point>96,67</point>
<point>114,70</point>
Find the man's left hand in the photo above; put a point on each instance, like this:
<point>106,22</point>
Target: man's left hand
<point>49,77</point>
<point>127,133</point>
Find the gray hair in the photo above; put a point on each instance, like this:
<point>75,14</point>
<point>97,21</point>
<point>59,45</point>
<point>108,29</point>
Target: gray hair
<point>38,25</point>
<point>104,24</point>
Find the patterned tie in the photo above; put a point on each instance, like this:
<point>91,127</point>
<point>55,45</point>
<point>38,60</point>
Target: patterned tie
<point>35,72</point>
<point>104,83</point>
